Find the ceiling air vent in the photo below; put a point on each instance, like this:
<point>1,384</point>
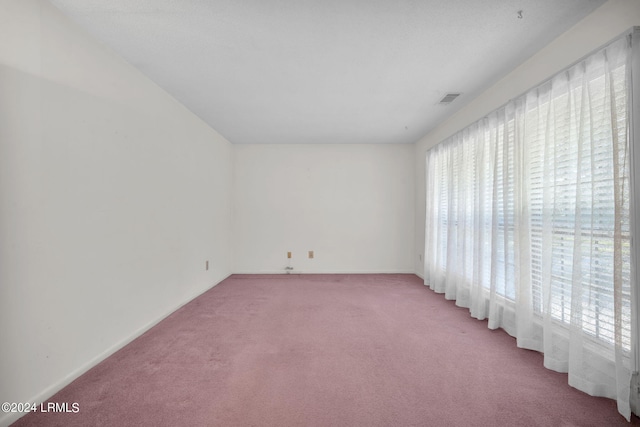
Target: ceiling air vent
<point>448,98</point>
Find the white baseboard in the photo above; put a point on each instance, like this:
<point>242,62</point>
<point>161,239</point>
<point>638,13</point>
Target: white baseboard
<point>8,418</point>
<point>325,272</point>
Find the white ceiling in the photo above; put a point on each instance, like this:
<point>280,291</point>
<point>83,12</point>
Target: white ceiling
<point>324,71</point>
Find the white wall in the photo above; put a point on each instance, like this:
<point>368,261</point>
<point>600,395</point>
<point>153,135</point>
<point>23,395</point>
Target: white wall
<point>112,196</point>
<point>351,204</point>
<point>598,28</point>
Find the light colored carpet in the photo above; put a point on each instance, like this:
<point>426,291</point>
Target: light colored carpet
<point>325,350</point>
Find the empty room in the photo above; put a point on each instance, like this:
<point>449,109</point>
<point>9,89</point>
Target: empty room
<point>319,213</point>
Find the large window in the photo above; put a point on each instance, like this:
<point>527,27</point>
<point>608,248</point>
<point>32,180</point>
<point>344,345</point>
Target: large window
<point>528,221</point>
<point>578,177</point>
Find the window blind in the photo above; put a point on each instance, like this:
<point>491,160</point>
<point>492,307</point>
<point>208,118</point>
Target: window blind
<point>528,221</point>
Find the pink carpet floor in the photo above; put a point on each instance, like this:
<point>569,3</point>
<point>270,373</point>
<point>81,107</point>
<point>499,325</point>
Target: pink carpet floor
<point>324,350</point>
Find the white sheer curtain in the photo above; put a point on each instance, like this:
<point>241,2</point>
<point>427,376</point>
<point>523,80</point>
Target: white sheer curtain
<point>527,222</point>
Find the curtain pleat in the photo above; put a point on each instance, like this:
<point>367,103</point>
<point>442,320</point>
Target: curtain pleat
<point>527,222</point>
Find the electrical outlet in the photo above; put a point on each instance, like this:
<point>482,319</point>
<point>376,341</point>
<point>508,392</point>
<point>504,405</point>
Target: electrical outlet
<point>310,254</point>
<point>288,254</point>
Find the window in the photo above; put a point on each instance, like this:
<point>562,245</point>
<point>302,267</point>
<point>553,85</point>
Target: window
<point>528,221</point>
